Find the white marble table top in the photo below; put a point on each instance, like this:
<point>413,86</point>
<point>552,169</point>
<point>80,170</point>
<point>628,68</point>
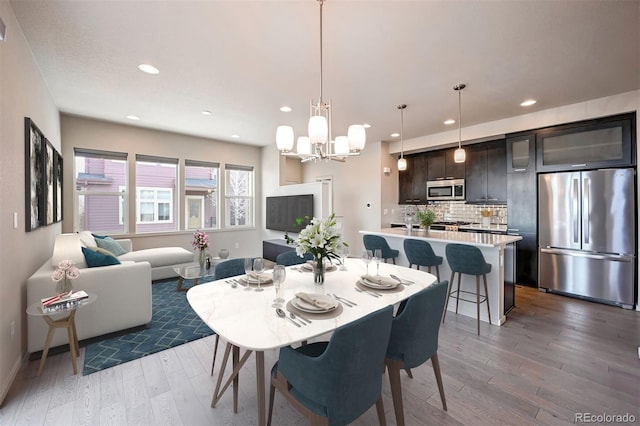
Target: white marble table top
<point>247,320</point>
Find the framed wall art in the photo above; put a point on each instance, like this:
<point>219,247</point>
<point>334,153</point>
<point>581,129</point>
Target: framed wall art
<point>57,188</point>
<point>49,199</point>
<point>34,175</point>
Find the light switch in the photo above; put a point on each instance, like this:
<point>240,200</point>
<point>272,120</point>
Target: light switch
<point>15,220</point>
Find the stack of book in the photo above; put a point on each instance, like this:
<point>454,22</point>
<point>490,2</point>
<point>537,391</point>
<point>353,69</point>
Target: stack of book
<point>61,302</point>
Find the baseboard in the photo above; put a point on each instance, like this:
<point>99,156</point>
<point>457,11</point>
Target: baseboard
<point>12,376</point>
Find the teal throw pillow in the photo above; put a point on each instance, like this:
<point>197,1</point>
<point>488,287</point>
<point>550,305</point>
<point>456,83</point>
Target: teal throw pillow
<point>110,244</point>
<point>99,236</point>
<point>93,258</point>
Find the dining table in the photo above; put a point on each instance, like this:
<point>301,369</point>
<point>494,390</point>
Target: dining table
<point>248,321</point>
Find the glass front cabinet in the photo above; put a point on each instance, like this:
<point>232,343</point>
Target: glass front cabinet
<point>521,153</point>
<point>605,142</point>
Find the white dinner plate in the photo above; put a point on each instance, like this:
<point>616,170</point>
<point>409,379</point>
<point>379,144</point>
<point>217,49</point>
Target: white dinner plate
<point>376,286</point>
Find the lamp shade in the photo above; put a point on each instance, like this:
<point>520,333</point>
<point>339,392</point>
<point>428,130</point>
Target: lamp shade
<point>459,155</point>
<point>402,164</point>
<point>341,145</point>
<point>304,146</point>
<point>318,129</point>
<point>284,138</point>
<point>357,137</point>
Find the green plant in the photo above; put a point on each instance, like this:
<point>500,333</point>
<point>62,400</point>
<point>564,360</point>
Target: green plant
<point>426,217</point>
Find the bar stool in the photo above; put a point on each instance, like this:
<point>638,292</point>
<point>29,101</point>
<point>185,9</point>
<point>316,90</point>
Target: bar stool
<point>466,259</point>
<point>373,242</point>
<point>420,253</point>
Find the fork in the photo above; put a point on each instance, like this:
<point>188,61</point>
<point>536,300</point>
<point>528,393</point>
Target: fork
<point>370,293</point>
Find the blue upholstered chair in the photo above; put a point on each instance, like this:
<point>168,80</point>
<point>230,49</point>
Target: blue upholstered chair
<point>229,268</point>
<point>420,253</point>
<point>466,259</point>
<point>226,269</point>
<point>335,382</point>
<point>289,258</point>
<point>414,340</point>
<point>373,242</point>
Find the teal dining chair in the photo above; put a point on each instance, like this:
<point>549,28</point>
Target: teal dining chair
<point>414,340</point>
<point>420,253</point>
<point>373,242</point>
<point>335,382</point>
<point>289,258</point>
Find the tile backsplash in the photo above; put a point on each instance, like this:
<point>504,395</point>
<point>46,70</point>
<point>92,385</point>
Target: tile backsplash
<point>460,211</point>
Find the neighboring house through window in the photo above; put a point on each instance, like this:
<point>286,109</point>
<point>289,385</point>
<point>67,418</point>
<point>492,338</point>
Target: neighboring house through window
<point>156,203</point>
<point>239,196</point>
<point>201,195</point>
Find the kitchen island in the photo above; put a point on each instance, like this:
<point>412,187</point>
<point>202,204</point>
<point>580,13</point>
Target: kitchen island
<point>492,247</point>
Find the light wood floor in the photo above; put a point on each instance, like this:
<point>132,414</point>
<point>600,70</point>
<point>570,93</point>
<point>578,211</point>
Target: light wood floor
<point>554,357</point>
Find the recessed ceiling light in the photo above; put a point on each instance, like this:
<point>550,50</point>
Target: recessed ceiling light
<point>206,112</point>
<point>395,135</point>
<point>133,117</point>
<point>366,125</point>
<point>285,108</point>
<point>235,136</point>
<point>449,122</point>
<point>528,102</point>
<point>149,69</point>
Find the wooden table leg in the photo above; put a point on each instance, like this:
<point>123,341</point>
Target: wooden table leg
<point>72,340</point>
<point>262,421</point>
<point>179,287</point>
<point>47,343</point>
<point>70,324</point>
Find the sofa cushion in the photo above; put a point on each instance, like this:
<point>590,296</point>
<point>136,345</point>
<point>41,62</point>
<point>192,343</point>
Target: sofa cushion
<point>87,239</point>
<point>163,256</point>
<point>110,244</point>
<point>94,259</point>
<point>102,251</point>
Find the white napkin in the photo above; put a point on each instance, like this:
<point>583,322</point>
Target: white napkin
<point>253,277</point>
<point>318,300</point>
<point>381,281</point>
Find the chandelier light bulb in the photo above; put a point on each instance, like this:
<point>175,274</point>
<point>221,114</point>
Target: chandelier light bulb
<point>341,145</point>
<point>304,146</point>
<point>357,137</point>
<point>284,138</point>
<point>318,129</point>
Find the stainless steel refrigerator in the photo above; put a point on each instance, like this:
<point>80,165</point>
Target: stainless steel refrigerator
<point>587,234</point>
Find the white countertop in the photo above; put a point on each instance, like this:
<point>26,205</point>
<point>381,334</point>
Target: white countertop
<point>476,239</point>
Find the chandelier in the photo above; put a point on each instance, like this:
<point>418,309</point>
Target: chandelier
<point>319,145</point>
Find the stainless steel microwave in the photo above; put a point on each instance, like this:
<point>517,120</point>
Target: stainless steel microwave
<point>451,189</point>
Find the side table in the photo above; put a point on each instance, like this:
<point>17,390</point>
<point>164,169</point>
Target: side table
<point>193,271</point>
<point>67,322</point>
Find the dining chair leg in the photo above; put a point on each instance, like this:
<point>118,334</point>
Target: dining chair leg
<point>409,373</point>
<point>437,273</point>
<point>382,420</point>
<point>484,277</point>
<point>215,352</point>
<point>446,305</point>
<point>458,292</point>
<point>436,369</point>
<point>478,302</point>
<point>272,394</point>
<point>393,367</point>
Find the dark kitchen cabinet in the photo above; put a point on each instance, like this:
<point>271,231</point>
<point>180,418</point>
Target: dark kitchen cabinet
<point>605,142</point>
<point>442,166</point>
<point>522,220</point>
<point>413,181</point>
<point>486,173</point>
<point>521,151</point>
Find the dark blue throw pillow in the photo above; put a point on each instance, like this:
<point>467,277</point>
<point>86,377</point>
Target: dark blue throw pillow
<point>94,258</point>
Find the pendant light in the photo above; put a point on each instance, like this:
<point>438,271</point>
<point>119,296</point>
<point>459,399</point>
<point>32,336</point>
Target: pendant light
<point>459,156</point>
<point>402,162</point>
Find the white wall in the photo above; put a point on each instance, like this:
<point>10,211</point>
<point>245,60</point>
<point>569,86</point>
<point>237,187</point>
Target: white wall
<point>23,93</point>
<point>95,134</point>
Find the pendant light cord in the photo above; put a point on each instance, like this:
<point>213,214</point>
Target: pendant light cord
<point>459,118</point>
<point>401,132</point>
<point>321,2</point>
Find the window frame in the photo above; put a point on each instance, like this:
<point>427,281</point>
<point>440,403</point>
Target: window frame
<point>250,197</point>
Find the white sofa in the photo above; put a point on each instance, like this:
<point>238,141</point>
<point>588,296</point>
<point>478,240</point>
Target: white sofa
<point>124,290</point>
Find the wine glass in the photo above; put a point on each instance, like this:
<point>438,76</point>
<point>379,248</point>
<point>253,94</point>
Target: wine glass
<point>279,275</point>
<point>377,257</point>
<point>366,258</point>
<point>258,268</point>
<point>344,252</point>
<point>248,267</point>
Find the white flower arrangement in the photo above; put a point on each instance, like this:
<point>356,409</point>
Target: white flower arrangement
<point>320,238</point>
<point>66,270</point>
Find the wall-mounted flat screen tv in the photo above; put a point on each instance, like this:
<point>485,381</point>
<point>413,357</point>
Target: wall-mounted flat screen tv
<point>283,211</point>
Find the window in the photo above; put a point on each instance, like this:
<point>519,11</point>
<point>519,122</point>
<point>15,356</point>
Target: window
<point>100,197</point>
<point>239,197</point>
<point>156,204</point>
<point>202,197</point>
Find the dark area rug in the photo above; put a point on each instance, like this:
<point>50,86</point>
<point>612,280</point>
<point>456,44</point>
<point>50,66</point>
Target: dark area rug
<point>173,323</point>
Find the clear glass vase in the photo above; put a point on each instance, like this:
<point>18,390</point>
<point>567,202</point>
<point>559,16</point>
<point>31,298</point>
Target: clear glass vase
<point>318,270</point>
<point>201,258</point>
<point>64,286</point>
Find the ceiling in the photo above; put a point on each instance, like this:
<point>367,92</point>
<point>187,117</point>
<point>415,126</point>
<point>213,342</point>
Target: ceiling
<point>243,60</point>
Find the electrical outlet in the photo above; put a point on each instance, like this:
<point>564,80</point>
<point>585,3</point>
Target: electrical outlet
<point>385,211</point>
<point>13,330</point>
<point>237,245</point>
